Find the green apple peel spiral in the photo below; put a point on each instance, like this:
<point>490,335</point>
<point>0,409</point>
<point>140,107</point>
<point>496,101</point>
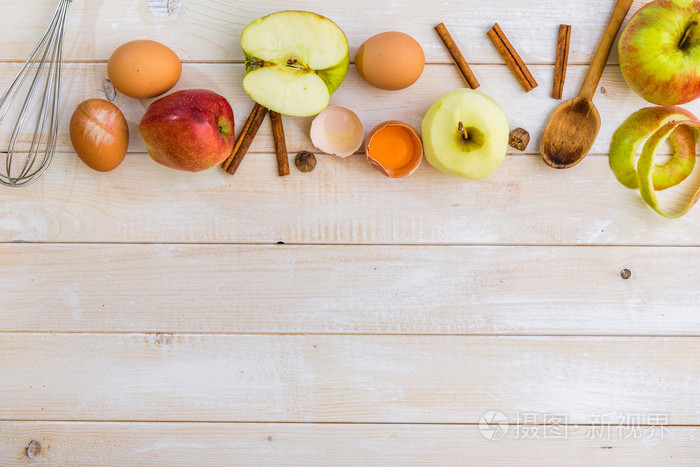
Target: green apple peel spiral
<point>658,124</point>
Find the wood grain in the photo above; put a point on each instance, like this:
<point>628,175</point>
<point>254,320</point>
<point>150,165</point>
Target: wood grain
<point>615,101</point>
<point>341,201</point>
<point>349,289</point>
<point>378,379</point>
<point>208,30</point>
<point>378,354</point>
<point>187,444</point>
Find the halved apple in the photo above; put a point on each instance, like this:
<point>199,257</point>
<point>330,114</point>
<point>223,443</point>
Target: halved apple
<point>294,61</point>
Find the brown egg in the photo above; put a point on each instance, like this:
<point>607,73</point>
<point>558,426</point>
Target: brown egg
<point>390,60</point>
<point>99,134</point>
<point>144,69</point>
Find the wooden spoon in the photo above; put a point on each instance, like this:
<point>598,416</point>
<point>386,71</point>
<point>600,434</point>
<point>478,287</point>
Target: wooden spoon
<point>574,125</point>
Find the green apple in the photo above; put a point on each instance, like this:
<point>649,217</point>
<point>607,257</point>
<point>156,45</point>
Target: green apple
<point>642,124</point>
<point>465,133</point>
<point>659,51</point>
<point>294,61</point>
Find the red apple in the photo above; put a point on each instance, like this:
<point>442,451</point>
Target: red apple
<point>660,51</point>
<point>190,130</point>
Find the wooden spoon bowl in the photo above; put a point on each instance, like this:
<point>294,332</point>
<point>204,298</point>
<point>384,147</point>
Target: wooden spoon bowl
<point>570,133</point>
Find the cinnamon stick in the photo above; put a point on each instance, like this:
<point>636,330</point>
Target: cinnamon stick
<point>245,138</point>
<point>457,56</point>
<point>280,144</point>
<point>512,58</point>
<point>563,41</point>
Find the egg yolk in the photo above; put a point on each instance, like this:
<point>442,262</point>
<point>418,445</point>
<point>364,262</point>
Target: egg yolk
<point>392,147</point>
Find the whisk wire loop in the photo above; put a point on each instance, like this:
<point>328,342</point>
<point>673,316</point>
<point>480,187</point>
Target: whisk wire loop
<point>45,85</point>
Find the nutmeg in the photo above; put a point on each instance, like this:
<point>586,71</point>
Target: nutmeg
<point>99,134</point>
<point>305,161</point>
<point>519,139</point>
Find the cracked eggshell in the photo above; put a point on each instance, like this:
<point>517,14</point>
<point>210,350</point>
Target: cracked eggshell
<point>396,167</point>
<point>337,131</point>
<point>99,134</point>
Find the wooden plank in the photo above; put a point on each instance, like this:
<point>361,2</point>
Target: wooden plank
<point>342,201</point>
<point>205,30</point>
<point>349,289</point>
<point>187,444</point>
<point>371,379</point>
<point>615,100</point>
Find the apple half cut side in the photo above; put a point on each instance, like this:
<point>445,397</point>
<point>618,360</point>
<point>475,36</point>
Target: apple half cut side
<point>641,125</point>
<point>646,162</point>
<point>294,61</point>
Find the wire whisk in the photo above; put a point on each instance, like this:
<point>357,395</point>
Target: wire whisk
<point>42,75</point>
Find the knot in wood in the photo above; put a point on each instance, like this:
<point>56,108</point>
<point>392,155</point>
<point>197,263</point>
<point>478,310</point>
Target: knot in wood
<point>33,449</point>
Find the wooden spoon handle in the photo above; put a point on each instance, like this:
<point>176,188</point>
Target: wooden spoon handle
<point>601,55</point>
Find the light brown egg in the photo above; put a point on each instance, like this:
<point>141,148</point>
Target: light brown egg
<point>390,60</point>
<point>144,69</point>
<point>99,134</point>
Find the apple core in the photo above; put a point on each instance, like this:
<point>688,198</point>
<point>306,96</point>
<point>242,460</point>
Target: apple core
<point>469,138</point>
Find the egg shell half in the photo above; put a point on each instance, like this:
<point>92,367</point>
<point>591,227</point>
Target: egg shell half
<point>337,131</point>
<point>409,143</point>
<point>99,134</point>
<point>390,60</point>
<point>144,69</point>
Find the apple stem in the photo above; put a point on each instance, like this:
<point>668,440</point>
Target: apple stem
<point>465,134</point>
<point>684,41</point>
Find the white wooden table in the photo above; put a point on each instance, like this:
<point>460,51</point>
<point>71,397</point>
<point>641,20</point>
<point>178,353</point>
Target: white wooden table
<point>150,317</point>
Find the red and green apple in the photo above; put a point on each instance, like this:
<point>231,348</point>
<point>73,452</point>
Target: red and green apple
<point>191,130</point>
<point>659,52</point>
